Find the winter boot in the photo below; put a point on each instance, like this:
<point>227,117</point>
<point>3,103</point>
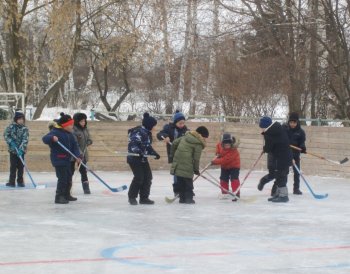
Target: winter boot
<point>273,190</point>
<point>133,201</point>
<point>146,201</point>
<point>10,184</point>
<point>275,194</point>
<point>86,187</point>
<point>282,195</point>
<point>69,197</point>
<point>224,186</point>
<point>59,199</point>
<point>297,192</point>
<point>20,184</point>
<point>190,201</point>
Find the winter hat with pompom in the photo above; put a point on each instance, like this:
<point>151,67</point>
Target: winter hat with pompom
<point>65,120</point>
<point>293,116</point>
<point>265,122</point>
<point>178,116</point>
<point>148,121</point>
<point>18,115</point>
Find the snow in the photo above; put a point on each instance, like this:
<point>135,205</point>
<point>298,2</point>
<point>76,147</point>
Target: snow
<point>102,233</point>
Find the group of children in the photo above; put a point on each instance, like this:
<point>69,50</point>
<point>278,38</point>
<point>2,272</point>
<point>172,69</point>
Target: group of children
<point>184,148</point>
<point>71,133</point>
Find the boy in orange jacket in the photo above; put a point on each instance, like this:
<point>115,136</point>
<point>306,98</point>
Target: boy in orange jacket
<point>229,160</point>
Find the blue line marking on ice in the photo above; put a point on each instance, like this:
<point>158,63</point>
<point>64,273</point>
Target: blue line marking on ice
<point>109,253</point>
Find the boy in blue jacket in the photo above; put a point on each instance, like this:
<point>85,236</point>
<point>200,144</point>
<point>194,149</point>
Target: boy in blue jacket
<point>60,159</point>
<point>16,136</point>
<point>140,142</point>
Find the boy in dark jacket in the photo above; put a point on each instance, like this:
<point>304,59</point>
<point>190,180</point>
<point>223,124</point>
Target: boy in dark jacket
<point>169,133</point>
<point>140,142</point>
<point>229,160</point>
<point>186,153</point>
<point>61,159</point>
<point>16,136</point>
<point>277,143</point>
<point>297,138</point>
<point>84,140</point>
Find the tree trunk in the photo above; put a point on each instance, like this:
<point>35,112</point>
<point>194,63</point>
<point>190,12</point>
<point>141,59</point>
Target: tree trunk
<point>169,99</point>
<point>209,94</point>
<point>194,47</point>
<point>185,56</point>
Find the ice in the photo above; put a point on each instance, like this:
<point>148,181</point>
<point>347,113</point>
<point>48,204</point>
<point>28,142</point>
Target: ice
<point>102,233</point>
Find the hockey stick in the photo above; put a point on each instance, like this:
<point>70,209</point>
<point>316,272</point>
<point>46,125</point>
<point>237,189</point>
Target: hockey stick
<point>118,189</point>
<point>250,171</point>
<point>316,196</point>
<point>171,200</point>
<point>122,153</point>
<point>219,186</point>
<point>321,157</point>
<point>29,175</point>
<point>170,143</point>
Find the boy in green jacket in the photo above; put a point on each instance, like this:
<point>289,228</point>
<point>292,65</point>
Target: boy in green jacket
<point>186,153</point>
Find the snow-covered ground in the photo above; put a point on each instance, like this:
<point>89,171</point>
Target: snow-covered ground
<point>101,233</point>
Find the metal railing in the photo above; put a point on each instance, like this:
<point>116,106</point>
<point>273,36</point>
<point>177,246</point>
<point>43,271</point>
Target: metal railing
<point>223,118</point>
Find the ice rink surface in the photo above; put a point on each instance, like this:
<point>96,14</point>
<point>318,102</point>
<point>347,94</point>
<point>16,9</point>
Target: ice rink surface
<point>101,233</point>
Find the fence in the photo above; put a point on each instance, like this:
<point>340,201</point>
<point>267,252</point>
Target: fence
<point>332,142</point>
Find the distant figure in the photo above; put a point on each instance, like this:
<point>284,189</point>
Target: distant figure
<point>229,160</point>
<point>17,136</point>
<point>277,143</point>
<point>61,159</point>
<point>186,153</point>
<point>297,138</point>
<point>169,133</point>
<point>140,143</point>
<point>84,140</point>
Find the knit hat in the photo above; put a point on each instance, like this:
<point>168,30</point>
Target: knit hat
<point>18,115</point>
<point>178,116</point>
<point>227,138</point>
<point>65,120</point>
<point>77,117</point>
<point>265,122</point>
<point>148,121</point>
<point>203,131</point>
<point>293,116</point>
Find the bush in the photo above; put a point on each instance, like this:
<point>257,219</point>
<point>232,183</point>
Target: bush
<point>3,114</point>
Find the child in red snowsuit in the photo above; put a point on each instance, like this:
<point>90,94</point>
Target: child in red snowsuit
<point>229,160</point>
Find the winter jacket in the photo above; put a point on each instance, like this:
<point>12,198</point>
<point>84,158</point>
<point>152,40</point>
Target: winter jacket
<point>19,134</point>
<point>84,140</point>
<point>296,137</point>
<point>140,142</point>
<point>277,143</point>
<point>186,153</point>
<point>170,130</point>
<point>60,157</point>
<point>227,158</point>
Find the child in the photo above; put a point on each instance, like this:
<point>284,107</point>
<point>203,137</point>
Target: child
<point>296,138</point>
<point>16,136</point>
<point>61,159</point>
<point>82,134</point>
<point>277,143</point>
<point>140,142</point>
<point>186,153</point>
<point>229,160</point>
<point>169,133</point>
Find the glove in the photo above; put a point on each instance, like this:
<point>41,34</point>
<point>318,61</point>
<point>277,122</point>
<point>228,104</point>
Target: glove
<point>13,146</point>
<point>212,163</point>
<point>303,150</point>
<point>196,172</point>
<point>157,156</point>
<point>20,152</point>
